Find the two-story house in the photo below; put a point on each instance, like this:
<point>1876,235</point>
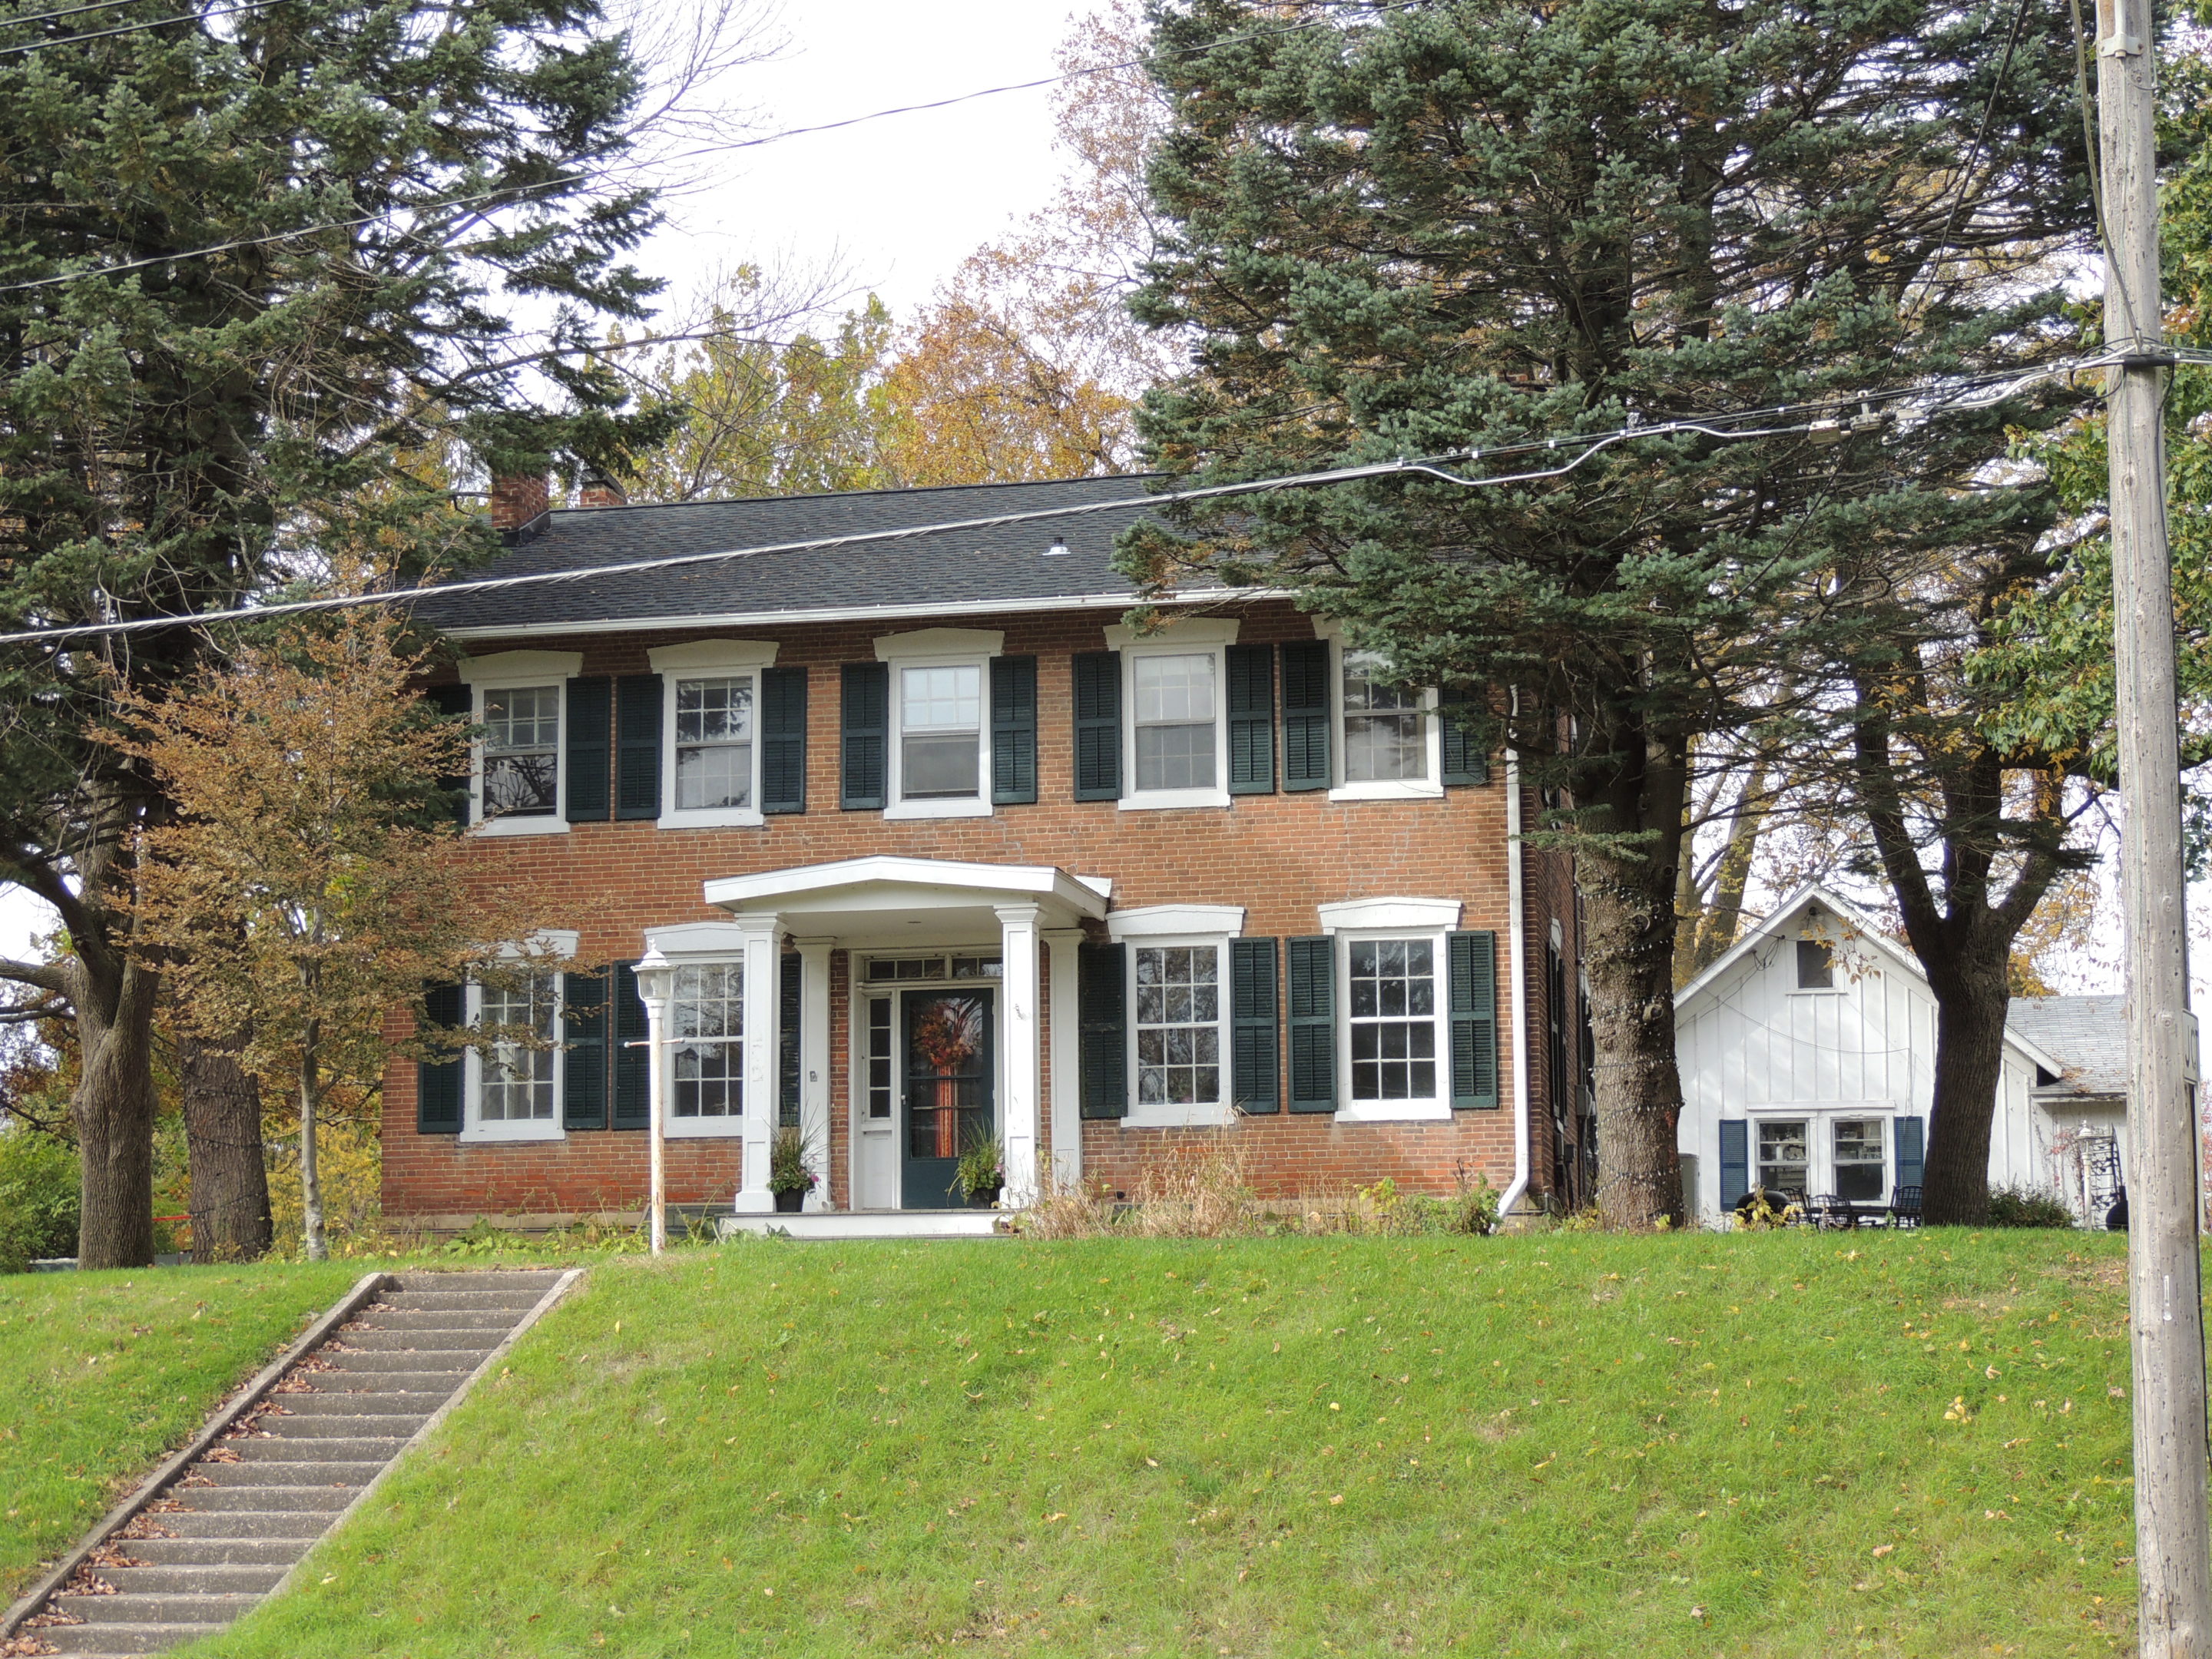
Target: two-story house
<point>942,847</point>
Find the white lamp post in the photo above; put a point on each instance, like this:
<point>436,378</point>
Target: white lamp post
<point>656,985</point>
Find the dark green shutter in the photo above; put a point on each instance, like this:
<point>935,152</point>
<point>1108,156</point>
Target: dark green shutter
<point>439,1083</point>
<point>588,725</point>
<point>632,1067</point>
<point>1252,722</point>
<point>1911,1150</point>
<point>1101,1014</point>
<point>868,736</point>
<point>1473,965</point>
<point>1736,1162</point>
<point>783,740</point>
<point>455,701</point>
<point>584,1067</point>
<point>637,746</point>
<point>1306,715</point>
<point>1255,1032</point>
<point>1464,761</point>
<point>788,981</point>
<point>1098,698</point>
<point>1014,731</point>
<point>1313,1025</point>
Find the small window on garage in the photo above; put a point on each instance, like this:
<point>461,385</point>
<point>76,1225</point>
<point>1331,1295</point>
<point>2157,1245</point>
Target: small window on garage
<point>1816,965</point>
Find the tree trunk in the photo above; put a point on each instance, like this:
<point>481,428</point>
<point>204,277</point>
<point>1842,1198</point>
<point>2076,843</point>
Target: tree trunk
<point>113,1110</point>
<point>311,1178</point>
<point>1971,1004</point>
<point>223,1144</point>
<point>1631,958</point>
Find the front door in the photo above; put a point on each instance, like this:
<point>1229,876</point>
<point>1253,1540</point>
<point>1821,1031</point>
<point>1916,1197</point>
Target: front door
<point>948,1104</point>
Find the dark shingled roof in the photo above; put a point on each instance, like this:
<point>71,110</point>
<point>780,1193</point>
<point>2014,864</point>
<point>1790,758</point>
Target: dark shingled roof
<point>1006,566</point>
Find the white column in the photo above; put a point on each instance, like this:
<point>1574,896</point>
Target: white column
<point>1066,1061</point>
<point>652,991</point>
<point>814,1062</point>
<point>1019,1030</point>
<point>761,1007</point>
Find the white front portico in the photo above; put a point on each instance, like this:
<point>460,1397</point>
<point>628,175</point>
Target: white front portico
<point>927,939</point>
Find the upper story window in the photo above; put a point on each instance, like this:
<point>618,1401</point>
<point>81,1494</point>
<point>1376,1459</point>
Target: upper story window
<point>712,749</point>
<point>1177,743</point>
<point>1816,965</point>
<point>518,783</point>
<point>1385,727</point>
<point>939,726</point>
<point>940,716</point>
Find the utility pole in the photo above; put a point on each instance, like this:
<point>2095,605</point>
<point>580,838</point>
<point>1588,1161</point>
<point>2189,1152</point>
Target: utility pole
<point>2173,1544</point>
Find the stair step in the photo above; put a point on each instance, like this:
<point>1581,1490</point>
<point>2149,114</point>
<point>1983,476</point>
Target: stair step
<point>389,1402</point>
<point>173,1608</point>
<point>405,1363</point>
<point>515,1303</point>
<point>228,1578</point>
<point>216,1552</point>
<point>241,1524</point>
<point>124,1638</point>
<point>475,1344</point>
<point>216,1500</point>
<point>331,1448</point>
<point>488,1279</point>
<point>353,1426</point>
<point>351,1472</point>
<point>465,1324</point>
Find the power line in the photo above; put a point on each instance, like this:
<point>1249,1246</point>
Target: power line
<point>726,146</point>
<point>1835,416</point>
<point>67,11</point>
<point>133,28</point>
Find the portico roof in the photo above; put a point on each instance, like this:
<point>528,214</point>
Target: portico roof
<point>885,897</point>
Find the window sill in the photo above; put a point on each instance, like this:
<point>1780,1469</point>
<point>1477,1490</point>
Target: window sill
<point>718,817</point>
<point>977,808</point>
<point>711,1129</point>
<point>1389,789</point>
<point>1817,991</point>
<point>1211,1116</point>
<point>1396,1111</point>
<point>491,1134</point>
<point>1158,801</point>
<point>550,824</point>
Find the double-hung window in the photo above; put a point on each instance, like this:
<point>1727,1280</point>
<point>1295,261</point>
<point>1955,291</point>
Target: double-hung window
<point>513,1070</point>
<point>1390,742</point>
<point>1176,746</point>
<point>1178,1002</point>
<point>1393,1008</point>
<point>710,720</point>
<point>940,721</point>
<point>706,1050</point>
<point>517,785</point>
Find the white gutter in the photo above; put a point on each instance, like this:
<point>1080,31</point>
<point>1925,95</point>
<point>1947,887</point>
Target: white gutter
<point>1517,960</point>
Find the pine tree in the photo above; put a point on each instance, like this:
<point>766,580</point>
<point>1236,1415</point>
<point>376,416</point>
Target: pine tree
<point>1465,225</point>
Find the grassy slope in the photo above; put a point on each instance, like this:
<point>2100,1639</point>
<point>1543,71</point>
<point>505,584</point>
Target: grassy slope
<point>101,1373</point>
<point>1563,1444</point>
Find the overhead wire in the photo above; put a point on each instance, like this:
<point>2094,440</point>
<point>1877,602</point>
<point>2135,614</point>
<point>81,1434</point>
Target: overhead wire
<point>1974,151</point>
<point>134,28</point>
<point>66,11</point>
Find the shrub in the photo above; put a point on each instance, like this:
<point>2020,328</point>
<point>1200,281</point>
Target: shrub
<point>2012,1206</point>
<point>38,1199</point>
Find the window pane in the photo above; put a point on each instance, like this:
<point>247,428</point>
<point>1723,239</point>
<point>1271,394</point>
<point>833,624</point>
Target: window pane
<point>941,699</point>
<point>1861,1163</point>
<point>517,1081</point>
<point>714,743</point>
<point>708,1022</point>
<point>1394,1028</point>
<point>1383,735</point>
<point>1178,1024</point>
<point>1816,966</point>
<point>1784,1158</point>
<point>939,768</point>
<point>521,751</point>
<point>1174,724</point>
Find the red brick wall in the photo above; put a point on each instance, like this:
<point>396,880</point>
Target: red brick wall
<point>1279,855</point>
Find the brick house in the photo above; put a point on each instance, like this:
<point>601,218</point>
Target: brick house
<point>941,847</point>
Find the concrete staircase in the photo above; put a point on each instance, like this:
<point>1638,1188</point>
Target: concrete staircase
<point>228,1531</point>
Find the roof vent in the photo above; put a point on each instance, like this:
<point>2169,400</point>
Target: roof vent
<point>1058,549</point>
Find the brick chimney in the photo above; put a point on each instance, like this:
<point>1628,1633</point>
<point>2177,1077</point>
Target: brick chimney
<point>518,503</point>
<point>600,490</point>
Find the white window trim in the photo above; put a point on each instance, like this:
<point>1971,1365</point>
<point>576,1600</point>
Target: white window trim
<point>702,945</point>
<point>507,671</point>
<point>1394,1111</point>
<point>1166,1115</point>
<point>1182,923</point>
<point>552,948</point>
<point>1819,1120</point>
<point>704,659</point>
<point>895,805</point>
<point>1390,917</point>
<point>1430,787</point>
<point>1193,636</point>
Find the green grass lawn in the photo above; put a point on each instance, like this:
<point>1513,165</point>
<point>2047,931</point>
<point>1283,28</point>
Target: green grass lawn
<point>1785,1445</point>
<point>102,1373</point>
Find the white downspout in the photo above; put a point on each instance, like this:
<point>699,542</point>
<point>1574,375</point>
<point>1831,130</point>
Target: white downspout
<point>1516,965</point>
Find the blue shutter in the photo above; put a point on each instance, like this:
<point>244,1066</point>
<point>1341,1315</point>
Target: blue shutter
<point>783,740</point>
<point>1252,722</point>
<point>1911,1150</point>
<point>1474,990</point>
<point>1102,1063</point>
<point>1255,1031</point>
<point>588,724</point>
<point>1098,699</point>
<point>454,702</point>
<point>637,746</point>
<point>1464,762</point>
<point>1306,717</point>
<point>1313,1025</point>
<point>788,982</point>
<point>439,1083</point>
<point>1736,1162</point>
<point>866,727</point>
<point>633,1078</point>
<point>584,1067</point>
<point>1014,731</point>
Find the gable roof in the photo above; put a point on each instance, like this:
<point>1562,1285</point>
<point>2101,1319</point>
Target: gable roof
<point>999,568</point>
<point>2089,1036</point>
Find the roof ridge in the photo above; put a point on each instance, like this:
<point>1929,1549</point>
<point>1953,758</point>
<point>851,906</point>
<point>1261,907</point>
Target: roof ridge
<point>847,494</point>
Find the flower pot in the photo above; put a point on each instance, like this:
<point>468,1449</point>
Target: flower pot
<point>790,1203</point>
<point>986,1199</point>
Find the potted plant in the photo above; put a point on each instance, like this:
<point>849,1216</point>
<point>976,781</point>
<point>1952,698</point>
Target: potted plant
<point>982,1171</point>
<point>789,1177</point>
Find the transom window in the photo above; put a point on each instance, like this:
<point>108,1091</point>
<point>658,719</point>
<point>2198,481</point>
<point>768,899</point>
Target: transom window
<point>1175,721</point>
<point>708,1029</point>
<point>940,732</point>
<point>1862,1150</point>
<point>1393,1017</point>
<point>1385,738</point>
<point>522,751</point>
<point>714,743</point>
<point>516,1082</point>
<point>1785,1163</point>
<point>1178,1024</point>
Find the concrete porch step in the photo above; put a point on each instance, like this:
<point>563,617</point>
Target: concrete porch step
<point>869,1224</point>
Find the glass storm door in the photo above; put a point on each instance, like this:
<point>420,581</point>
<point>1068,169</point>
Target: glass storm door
<point>948,1092</point>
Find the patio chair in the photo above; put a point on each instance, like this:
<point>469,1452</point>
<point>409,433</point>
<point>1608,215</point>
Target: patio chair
<point>1829,1213</point>
<point>1905,1207</point>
